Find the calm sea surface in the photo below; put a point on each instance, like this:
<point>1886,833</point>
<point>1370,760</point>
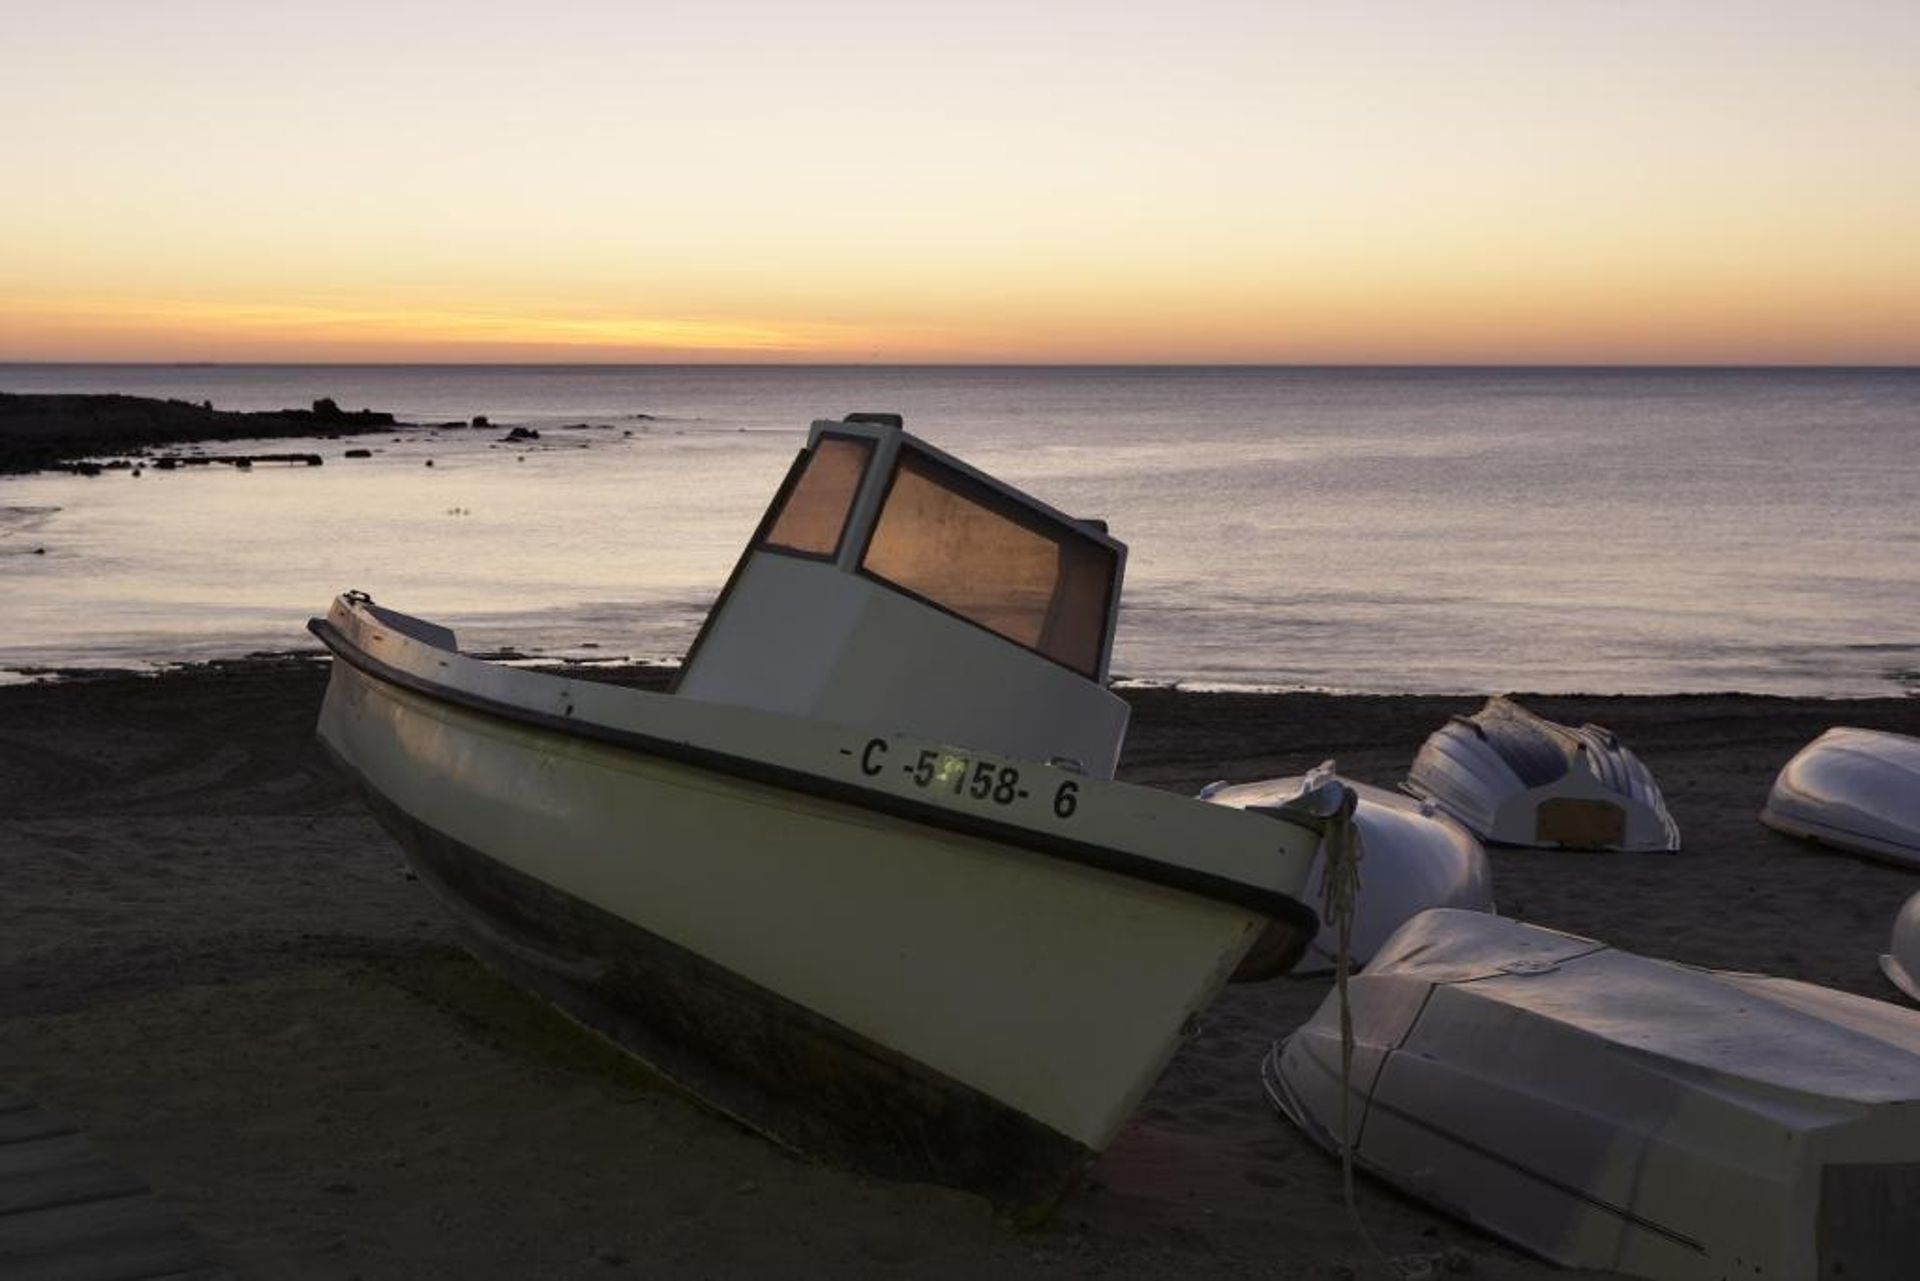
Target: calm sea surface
<point>1372,530</point>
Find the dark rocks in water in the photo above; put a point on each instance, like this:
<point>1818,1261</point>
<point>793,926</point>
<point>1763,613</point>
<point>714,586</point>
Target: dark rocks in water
<point>359,453</point>
<point>480,420</point>
<point>39,551</point>
<point>326,411</point>
<point>248,460</point>
<point>47,430</point>
<point>646,418</point>
<point>521,433</point>
<point>168,462</point>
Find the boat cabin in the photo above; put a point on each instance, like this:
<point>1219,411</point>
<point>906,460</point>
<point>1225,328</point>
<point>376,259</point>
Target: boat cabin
<point>892,587</point>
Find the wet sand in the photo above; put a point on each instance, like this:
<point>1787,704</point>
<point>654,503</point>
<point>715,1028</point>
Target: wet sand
<point>212,961</point>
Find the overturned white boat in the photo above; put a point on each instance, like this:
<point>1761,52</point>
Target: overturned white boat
<point>1515,778</point>
<point>1412,858</point>
<point>1901,961</point>
<point>1608,1111</point>
<point>865,880</point>
<point>1853,789</point>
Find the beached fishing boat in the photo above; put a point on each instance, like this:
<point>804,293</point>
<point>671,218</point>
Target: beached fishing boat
<point>1608,1111</point>
<point>1412,858</point>
<point>1514,778</point>
<point>864,880</point>
<point>1854,789</point>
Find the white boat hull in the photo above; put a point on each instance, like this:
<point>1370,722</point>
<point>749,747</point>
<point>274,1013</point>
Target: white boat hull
<point>1901,961</point>
<point>1513,778</point>
<point>1413,858</point>
<point>1607,1111</point>
<point>917,978</point>
<point>1854,789</point>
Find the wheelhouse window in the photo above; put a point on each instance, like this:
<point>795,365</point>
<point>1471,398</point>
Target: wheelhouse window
<point>813,518</point>
<point>963,546</point>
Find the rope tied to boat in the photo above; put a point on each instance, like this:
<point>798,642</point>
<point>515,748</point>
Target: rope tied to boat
<point>1342,852</point>
<point>1339,903</point>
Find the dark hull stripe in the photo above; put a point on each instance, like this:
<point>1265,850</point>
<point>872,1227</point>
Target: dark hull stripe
<point>1222,889</point>
<point>772,1064</point>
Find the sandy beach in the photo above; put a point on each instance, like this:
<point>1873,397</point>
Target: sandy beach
<point>212,960</point>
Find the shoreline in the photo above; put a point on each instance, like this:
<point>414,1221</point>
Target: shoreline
<point>212,961</point>
<point>648,674</point>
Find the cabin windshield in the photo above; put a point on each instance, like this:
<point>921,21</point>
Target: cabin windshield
<point>965,547</point>
<point>813,518</point>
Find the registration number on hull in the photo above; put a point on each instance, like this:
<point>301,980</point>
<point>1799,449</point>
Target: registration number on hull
<point>974,778</point>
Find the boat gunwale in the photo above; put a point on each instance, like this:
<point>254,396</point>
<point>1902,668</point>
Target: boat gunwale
<point>1221,889</point>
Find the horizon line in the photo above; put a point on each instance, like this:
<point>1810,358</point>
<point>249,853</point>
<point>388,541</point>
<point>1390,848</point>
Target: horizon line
<point>1679,366</point>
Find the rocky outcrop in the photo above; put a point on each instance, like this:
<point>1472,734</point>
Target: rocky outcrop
<point>41,431</point>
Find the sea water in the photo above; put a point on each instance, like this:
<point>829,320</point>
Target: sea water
<point>1374,530</point>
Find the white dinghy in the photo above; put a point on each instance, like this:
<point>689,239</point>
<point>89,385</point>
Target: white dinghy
<point>1854,789</point>
<point>1608,1111</point>
<point>1901,962</point>
<point>1413,858</point>
<point>1514,778</point>
<point>865,880</point>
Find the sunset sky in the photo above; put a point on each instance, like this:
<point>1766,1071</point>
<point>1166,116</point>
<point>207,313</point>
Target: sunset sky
<point>1044,181</point>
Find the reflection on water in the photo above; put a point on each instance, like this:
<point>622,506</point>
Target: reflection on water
<point>1375,530</point>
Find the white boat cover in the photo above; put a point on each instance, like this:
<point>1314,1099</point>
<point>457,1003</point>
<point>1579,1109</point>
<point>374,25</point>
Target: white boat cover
<point>1514,778</point>
<point>1901,963</point>
<point>1854,789</point>
<point>1412,858</point>
<point>1608,1111</point>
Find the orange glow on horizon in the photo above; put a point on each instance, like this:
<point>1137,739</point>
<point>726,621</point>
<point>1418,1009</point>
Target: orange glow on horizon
<point>1551,321</point>
<point>162,329</point>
